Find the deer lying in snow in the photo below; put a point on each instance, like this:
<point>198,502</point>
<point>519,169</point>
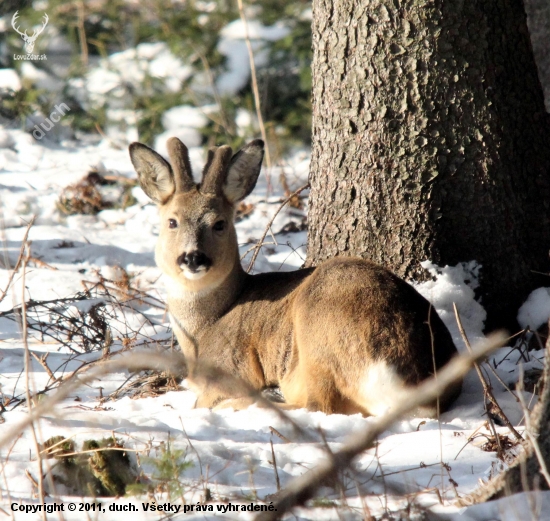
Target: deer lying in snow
<point>347,336</point>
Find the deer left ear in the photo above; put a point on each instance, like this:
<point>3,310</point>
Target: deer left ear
<point>154,173</point>
<point>243,171</point>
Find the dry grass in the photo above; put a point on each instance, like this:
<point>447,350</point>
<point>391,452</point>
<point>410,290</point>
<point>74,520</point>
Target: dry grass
<point>95,192</point>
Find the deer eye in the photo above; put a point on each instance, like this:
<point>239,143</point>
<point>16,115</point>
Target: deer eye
<point>219,226</point>
<point>172,223</point>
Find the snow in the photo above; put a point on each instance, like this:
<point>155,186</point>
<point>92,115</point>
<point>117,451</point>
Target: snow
<point>456,285</point>
<point>146,69</point>
<point>536,310</point>
<point>233,46</point>
<point>184,116</point>
<point>232,452</point>
<point>9,79</point>
<point>132,66</point>
<point>233,447</point>
<point>40,78</point>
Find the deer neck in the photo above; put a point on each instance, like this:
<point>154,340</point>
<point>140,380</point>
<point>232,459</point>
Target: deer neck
<point>193,310</point>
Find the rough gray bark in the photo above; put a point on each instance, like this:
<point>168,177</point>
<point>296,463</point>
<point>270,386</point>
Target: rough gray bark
<point>538,21</point>
<point>431,141</point>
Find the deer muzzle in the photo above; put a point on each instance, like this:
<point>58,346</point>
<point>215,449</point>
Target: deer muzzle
<point>194,263</point>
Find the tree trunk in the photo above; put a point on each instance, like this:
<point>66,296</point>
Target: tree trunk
<point>538,21</point>
<point>431,141</point>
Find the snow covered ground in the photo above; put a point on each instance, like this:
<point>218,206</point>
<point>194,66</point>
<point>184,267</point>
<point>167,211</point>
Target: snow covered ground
<point>419,464</point>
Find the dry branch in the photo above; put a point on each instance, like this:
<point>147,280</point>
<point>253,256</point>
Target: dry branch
<point>487,389</point>
<point>255,89</point>
<point>303,488</point>
<point>134,362</point>
<point>27,359</point>
<point>268,227</point>
<point>525,473</point>
<point>172,363</point>
<point>19,259</point>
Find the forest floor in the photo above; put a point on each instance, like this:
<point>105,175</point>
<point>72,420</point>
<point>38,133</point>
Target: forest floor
<point>93,292</point>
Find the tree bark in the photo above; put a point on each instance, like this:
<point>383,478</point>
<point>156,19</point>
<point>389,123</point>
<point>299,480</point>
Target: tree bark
<point>431,141</point>
<point>538,21</point>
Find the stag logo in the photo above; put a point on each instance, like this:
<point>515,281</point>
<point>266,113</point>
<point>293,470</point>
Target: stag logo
<point>29,40</point>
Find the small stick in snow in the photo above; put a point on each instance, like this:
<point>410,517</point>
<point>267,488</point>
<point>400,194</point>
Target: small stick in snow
<point>27,360</point>
<point>42,361</point>
<point>32,479</point>
<point>486,387</point>
<point>278,434</point>
<point>274,462</point>
<point>41,264</point>
<point>19,259</point>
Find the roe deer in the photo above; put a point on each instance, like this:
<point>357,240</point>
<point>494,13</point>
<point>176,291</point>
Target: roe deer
<point>347,336</point>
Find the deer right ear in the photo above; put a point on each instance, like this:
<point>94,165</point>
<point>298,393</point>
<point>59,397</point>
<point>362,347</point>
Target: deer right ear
<point>243,171</point>
<point>154,173</point>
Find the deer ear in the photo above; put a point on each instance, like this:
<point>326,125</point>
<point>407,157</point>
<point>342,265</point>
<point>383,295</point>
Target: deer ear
<point>243,171</point>
<point>154,173</point>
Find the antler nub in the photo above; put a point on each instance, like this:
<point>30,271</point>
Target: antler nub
<point>179,158</point>
<point>215,170</point>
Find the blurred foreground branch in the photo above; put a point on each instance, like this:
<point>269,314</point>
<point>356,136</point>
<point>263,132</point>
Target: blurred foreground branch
<point>304,487</point>
<point>173,363</point>
<point>530,470</point>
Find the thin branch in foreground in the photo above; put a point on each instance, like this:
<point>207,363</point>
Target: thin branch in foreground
<point>274,463</point>
<point>529,431</point>
<point>27,360</point>
<point>255,90</point>
<point>304,487</point>
<point>487,389</point>
<point>19,259</point>
<point>260,243</point>
<point>134,362</point>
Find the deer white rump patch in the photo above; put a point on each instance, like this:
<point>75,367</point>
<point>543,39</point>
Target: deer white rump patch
<point>381,388</point>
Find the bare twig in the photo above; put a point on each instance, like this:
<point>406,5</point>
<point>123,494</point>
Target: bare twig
<point>278,434</point>
<point>32,479</point>
<point>486,386</point>
<point>42,361</point>
<point>268,227</point>
<point>274,461</point>
<point>82,32</point>
<point>26,257</point>
<point>437,402</point>
<point>303,488</point>
<point>41,264</point>
<point>5,461</point>
<point>133,362</point>
<point>531,436</point>
<point>19,259</point>
<point>256,91</point>
<point>217,98</point>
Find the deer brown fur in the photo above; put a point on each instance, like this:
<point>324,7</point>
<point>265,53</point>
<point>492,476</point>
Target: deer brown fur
<point>348,336</point>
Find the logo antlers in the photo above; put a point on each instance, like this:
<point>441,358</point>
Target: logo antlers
<point>29,40</point>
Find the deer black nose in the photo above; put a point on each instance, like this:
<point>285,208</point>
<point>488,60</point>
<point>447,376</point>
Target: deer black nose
<point>195,260</point>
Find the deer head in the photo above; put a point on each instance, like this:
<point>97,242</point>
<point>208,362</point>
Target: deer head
<point>197,245</point>
<point>29,40</point>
